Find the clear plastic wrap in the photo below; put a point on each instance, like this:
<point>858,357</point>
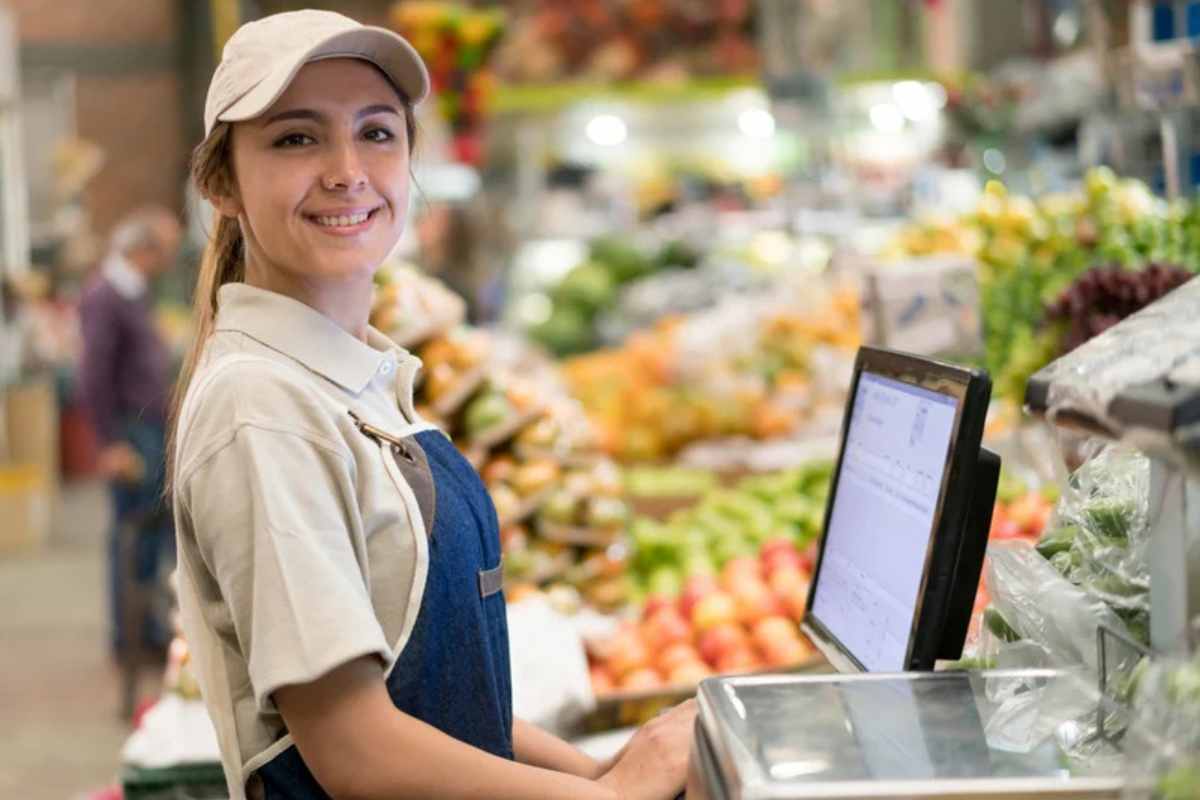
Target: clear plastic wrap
<point>1038,618</point>
<point>1099,536</point>
<point>1090,568</point>
<point>1163,744</point>
<point>1160,341</point>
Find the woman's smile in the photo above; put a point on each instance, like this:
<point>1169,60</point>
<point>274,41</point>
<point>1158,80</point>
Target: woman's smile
<point>343,222</point>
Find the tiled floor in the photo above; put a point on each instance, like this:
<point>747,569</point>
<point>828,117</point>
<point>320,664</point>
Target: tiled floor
<point>60,733</point>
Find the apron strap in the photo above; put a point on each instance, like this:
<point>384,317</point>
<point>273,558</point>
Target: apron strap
<point>491,581</point>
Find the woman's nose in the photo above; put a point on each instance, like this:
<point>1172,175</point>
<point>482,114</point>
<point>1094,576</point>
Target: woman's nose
<point>344,170</point>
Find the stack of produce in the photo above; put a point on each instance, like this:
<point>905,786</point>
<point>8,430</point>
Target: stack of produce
<point>726,524</point>
<point>1020,512</point>
<point>684,381</point>
<point>623,40</point>
<point>559,500</point>
<point>455,41</point>
<point>589,289</point>
<point>1103,296</point>
<point>746,620</point>
<point>1030,251</point>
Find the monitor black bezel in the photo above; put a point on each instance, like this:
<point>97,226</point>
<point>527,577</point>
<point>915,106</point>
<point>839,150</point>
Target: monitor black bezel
<point>936,595</point>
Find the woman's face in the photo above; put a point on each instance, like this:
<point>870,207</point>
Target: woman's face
<point>322,176</point>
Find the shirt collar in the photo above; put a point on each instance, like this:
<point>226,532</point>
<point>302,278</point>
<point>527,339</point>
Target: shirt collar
<point>307,336</point>
<point>128,282</point>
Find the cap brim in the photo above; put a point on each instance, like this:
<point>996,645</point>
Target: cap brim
<point>383,48</point>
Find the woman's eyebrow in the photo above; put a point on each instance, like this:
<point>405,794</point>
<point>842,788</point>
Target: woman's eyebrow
<point>317,116</point>
<point>295,113</point>
<point>378,108</point>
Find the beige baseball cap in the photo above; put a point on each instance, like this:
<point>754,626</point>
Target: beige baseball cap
<point>262,57</point>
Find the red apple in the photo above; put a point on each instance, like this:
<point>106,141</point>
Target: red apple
<point>695,589</point>
<point>785,579</point>
<point>770,629</point>
<point>796,602</point>
<point>675,655</point>
<point>641,680</point>
<point>786,652</point>
<point>654,602</point>
<point>754,602</point>
<point>783,559</point>
<point>809,556</point>
<point>715,609</point>
<point>719,640</point>
<point>740,659</point>
<point>779,544</point>
<point>688,674</point>
<point>602,680</point>
<point>627,653</point>
<point>740,569</point>
<point>665,628</point>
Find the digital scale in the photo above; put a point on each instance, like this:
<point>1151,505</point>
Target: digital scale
<point>905,535</point>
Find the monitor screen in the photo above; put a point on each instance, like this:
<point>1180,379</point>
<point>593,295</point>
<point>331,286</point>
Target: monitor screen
<point>882,518</point>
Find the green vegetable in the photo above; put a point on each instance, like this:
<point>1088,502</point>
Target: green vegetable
<point>999,626</point>
<point>1057,541</point>
<point>485,412</point>
<point>1112,519</point>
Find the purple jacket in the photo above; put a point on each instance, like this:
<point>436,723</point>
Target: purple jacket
<point>125,370</point>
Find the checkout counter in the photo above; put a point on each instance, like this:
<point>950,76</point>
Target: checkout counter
<point>905,535</point>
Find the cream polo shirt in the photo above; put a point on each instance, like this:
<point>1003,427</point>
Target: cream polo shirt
<point>299,547</point>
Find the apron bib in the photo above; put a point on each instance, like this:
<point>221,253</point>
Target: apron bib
<point>453,672</point>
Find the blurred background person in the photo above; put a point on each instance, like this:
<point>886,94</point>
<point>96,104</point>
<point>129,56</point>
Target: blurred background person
<point>125,383</point>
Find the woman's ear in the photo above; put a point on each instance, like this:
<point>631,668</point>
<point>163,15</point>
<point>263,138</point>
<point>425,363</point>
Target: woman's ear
<point>227,205</point>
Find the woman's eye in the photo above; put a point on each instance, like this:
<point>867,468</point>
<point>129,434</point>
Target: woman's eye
<point>294,140</point>
<point>379,135</point>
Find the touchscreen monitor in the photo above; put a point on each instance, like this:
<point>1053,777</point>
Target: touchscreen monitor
<point>897,510</point>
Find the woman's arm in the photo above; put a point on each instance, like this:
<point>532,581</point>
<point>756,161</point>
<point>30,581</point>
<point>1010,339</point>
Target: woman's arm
<point>537,748</point>
<point>358,745</point>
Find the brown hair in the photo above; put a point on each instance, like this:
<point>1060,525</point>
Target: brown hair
<point>224,259</point>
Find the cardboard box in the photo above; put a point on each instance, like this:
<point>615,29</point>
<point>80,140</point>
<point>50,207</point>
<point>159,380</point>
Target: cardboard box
<point>31,429</point>
<point>25,508</point>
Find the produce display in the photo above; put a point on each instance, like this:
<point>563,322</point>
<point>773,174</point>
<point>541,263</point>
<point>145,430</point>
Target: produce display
<point>589,289</point>
<point>1103,296</point>
<point>729,523</point>
<point>456,41</point>
<point>685,380</point>
<point>601,41</point>
<point>743,620</point>
<point>1031,250</point>
<point>559,501</point>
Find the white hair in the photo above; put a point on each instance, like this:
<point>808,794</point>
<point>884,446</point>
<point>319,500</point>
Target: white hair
<point>138,229</point>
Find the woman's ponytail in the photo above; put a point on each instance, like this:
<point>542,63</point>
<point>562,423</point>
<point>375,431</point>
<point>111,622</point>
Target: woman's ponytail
<point>224,261</point>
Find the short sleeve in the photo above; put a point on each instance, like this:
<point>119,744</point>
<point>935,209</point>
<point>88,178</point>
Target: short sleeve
<point>275,518</point>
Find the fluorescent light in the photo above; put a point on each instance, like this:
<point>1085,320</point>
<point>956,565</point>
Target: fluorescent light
<point>757,123</point>
<point>607,130</point>
<point>994,161</point>
<point>915,100</point>
<point>887,118</point>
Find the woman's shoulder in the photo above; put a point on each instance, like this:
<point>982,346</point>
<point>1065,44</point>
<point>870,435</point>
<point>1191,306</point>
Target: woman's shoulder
<point>234,388</point>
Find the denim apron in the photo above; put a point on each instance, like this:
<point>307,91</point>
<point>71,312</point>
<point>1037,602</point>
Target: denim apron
<point>453,672</point>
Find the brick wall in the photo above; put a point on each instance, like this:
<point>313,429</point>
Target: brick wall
<point>127,60</point>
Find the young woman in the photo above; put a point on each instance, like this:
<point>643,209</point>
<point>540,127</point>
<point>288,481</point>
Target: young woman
<point>339,561</point>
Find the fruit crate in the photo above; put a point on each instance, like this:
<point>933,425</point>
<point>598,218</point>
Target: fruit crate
<point>632,708</point>
<point>183,782</point>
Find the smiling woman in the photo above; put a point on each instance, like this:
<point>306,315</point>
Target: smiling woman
<point>321,187</point>
<point>339,560</point>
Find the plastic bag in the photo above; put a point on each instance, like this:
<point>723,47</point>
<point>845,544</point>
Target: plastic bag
<point>1163,744</point>
<point>1099,536</point>
<point>1038,618</point>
